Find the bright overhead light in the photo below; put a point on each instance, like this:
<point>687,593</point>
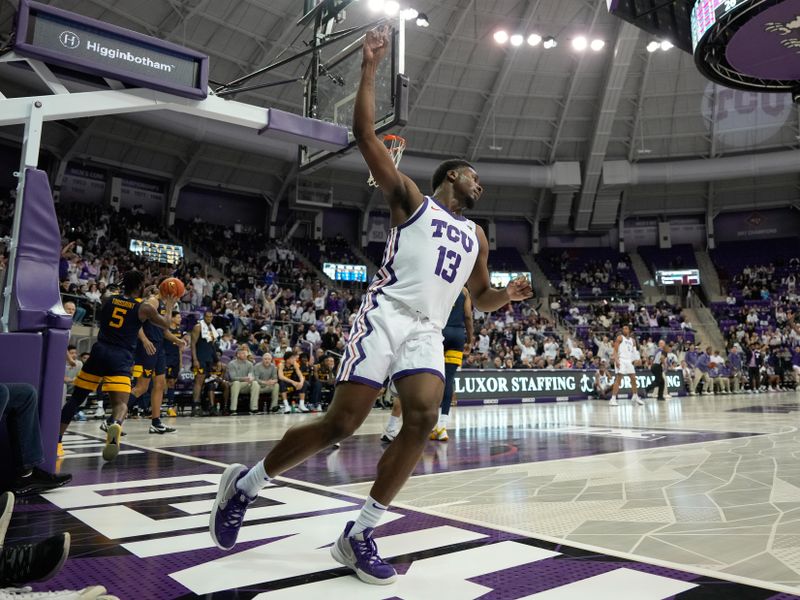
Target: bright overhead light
<point>422,20</point>
<point>375,5</point>
<point>666,45</point>
<point>653,46</point>
<point>409,14</point>
<point>579,43</point>
<point>516,39</point>
<point>534,39</point>
<point>391,7</point>
<point>501,37</point>
<point>549,42</point>
<point>598,45</point>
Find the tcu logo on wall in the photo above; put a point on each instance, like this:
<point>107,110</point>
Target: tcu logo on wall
<point>743,119</point>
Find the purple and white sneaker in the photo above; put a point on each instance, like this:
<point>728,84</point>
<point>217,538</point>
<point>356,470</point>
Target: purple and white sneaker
<point>360,553</point>
<point>229,507</point>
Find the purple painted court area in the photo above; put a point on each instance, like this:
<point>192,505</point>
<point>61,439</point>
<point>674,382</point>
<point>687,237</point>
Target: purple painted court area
<point>95,558</point>
<point>783,408</point>
<point>467,449</point>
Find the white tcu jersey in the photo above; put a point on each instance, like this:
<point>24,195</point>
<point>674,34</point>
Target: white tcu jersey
<point>427,261</point>
<point>627,349</point>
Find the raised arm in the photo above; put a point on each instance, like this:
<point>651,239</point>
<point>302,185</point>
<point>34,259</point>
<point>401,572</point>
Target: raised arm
<point>401,193</point>
<point>485,298</point>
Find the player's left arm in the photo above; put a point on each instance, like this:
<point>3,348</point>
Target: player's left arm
<point>485,298</point>
<point>469,322</point>
<point>180,342</point>
<point>147,312</point>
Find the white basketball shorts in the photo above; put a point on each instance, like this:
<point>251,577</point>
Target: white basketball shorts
<point>626,367</point>
<point>388,340</point>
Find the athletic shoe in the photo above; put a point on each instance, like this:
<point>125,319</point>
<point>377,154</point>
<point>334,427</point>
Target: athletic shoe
<point>6,509</point>
<point>25,563</point>
<point>95,592</point>
<point>229,507</point>
<point>171,412</point>
<point>336,445</point>
<point>360,553</point>
<point>161,428</point>
<point>104,427</point>
<point>638,400</point>
<point>388,436</point>
<point>111,449</point>
<point>287,410</point>
<point>39,482</point>
<point>613,402</point>
<point>59,450</point>
<point>99,412</point>
<point>80,416</point>
<point>439,434</point>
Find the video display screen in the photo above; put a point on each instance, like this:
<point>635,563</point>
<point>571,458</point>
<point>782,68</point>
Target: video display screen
<point>344,272</point>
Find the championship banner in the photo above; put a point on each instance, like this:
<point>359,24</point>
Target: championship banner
<point>512,386</point>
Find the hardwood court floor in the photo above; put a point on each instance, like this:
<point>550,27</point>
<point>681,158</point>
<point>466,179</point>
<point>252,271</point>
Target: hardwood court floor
<point>545,501</point>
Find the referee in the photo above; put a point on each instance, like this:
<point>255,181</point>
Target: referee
<point>657,369</point>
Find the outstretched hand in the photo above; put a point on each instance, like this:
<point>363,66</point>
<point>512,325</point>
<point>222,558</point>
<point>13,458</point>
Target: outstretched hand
<point>519,289</point>
<point>376,44</point>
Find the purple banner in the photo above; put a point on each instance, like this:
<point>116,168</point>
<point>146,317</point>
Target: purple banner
<point>759,224</point>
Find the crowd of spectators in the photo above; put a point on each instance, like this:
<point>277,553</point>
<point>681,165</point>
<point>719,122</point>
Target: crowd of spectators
<point>590,273</point>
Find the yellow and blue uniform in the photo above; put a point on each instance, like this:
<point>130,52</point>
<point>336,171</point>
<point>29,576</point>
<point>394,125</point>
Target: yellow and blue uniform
<point>111,358</point>
<point>148,365</point>
<point>455,336</point>
<point>172,355</point>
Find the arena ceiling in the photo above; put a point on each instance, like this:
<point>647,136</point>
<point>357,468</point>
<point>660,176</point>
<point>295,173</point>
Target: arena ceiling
<point>470,97</point>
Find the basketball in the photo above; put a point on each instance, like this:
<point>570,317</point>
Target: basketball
<point>172,286</point>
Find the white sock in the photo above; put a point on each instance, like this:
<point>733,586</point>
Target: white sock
<point>443,419</point>
<point>613,396</point>
<point>393,424</point>
<point>371,513</point>
<point>302,404</point>
<point>254,481</point>
<point>286,405</point>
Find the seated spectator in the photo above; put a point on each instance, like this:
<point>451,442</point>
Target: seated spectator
<point>324,382</point>
<point>293,384</point>
<point>240,375</point>
<point>19,404</point>
<point>265,374</point>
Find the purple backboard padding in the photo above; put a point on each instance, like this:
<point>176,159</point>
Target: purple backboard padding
<point>36,300</point>
<point>25,49</point>
<point>297,129</point>
<point>51,392</point>
<point>22,363</point>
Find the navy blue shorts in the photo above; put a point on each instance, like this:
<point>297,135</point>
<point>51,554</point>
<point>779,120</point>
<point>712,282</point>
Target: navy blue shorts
<point>149,365</point>
<point>108,364</point>
<point>173,366</point>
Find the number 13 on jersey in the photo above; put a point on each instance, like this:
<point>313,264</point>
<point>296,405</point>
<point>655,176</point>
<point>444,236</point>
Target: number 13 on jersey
<point>447,271</point>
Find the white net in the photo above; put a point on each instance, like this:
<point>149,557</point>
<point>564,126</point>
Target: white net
<point>395,145</point>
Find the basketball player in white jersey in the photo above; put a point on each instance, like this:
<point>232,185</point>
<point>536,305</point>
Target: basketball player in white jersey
<point>625,353</point>
<point>431,253</point>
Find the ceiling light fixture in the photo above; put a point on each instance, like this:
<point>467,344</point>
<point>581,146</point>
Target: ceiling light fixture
<point>375,5</point>
<point>549,42</point>
<point>391,7</point>
<point>409,14</point>
<point>579,43</point>
<point>598,45</point>
<point>422,20</point>
<point>500,36</point>
<point>516,39</point>
<point>666,45</point>
<point>534,39</point>
<point>653,46</point>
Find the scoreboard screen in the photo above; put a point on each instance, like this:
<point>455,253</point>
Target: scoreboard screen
<point>678,277</point>
<point>170,254</point>
<point>344,272</point>
<point>500,279</point>
<point>707,12</point>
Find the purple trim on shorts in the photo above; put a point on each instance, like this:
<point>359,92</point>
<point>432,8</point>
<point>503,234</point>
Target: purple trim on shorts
<point>362,381</point>
<point>447,210</point>
<point>407,372</point>
<point>415,215</point>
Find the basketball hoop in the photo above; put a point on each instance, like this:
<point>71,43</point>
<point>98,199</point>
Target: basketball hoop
<point>395,145</point>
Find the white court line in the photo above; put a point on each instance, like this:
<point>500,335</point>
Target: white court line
<point>90,454</point>
<point>768,585</point>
